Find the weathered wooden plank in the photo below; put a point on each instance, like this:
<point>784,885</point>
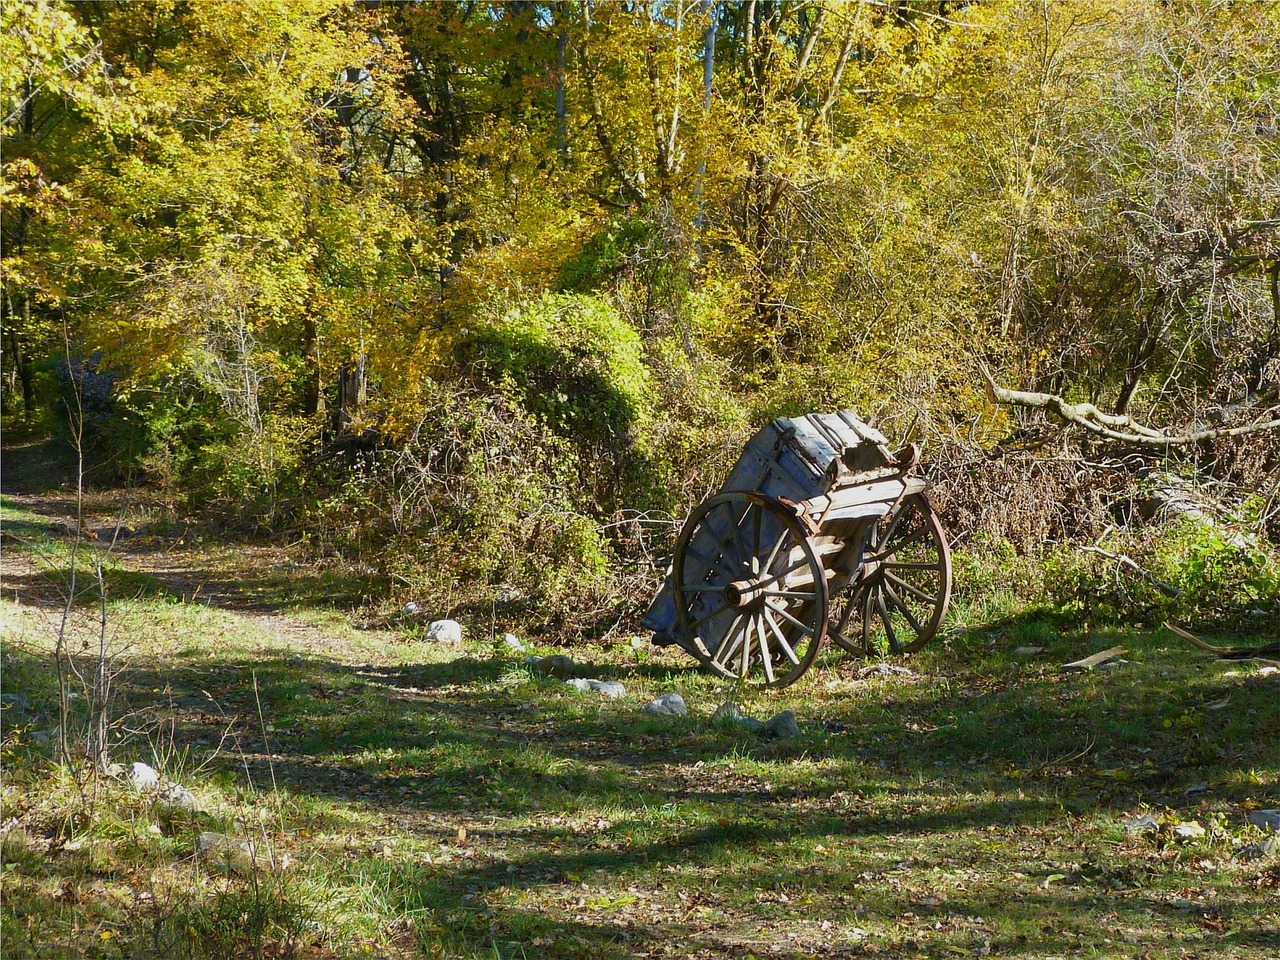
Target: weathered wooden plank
<point>792,459</point>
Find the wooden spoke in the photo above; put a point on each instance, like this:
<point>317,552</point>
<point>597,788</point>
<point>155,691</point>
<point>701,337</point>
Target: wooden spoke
<point>790,594</point>
<point>899,565</point>
<point>776,623</point>
<point>730,644</point>
<point>910,588</point>
<point>802,627</point>
<point>886,620</point>
<point>907,580</point>
<point>782,640</point>
<point>765,657</point>
<point>897,601</point>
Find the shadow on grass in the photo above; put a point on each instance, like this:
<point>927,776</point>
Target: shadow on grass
<point>987,741</point>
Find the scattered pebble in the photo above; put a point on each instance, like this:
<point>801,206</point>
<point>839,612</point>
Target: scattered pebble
<point>411,609</point>
<point>444,631</point>
<point>1140,825</point>
<point>611,689</point>
<point>1190,830</point>
<point>513,642</point>
<point>782,725</point>
<point>667,705</point>
<point>1196,789</point>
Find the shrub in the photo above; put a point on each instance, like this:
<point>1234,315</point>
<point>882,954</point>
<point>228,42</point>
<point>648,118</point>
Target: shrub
<point>577,367</point>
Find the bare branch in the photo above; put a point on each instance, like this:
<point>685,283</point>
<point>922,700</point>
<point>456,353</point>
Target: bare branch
<point>1127,561</point>
<point>1113,426</point>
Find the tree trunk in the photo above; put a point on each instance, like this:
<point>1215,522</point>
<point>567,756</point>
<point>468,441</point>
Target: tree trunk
<point>562,113</point>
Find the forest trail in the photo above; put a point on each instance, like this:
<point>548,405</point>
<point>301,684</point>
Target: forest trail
<point>154,552</point>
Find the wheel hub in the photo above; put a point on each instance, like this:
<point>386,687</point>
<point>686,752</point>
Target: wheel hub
<point>744,593</point>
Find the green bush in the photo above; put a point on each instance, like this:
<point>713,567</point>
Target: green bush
<point>1196,571</point>
<point>570,359</point>
<point>604,254</point>
<point>577,367</point>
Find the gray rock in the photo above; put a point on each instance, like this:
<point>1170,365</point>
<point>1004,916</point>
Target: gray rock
<point>558,666</point>
<point>611,689</point>
<point>727,712</point>
<point>1266,820</point>
<point>729,715</point>
<point>1140,825</point>
<point>885,670</point>
<point>1190,830</point>
<point>180,798</point>
<point>1195,789</point>
<point>782,725</point>
<point>667,705</point>
<point>1268,846</point>
<point>411,609</point>
<point>513,642</point>
<point>243,857</point>
<point>144,777</point>
<point>444,631</point>
<point>15,701</point>
<point>115,770</point>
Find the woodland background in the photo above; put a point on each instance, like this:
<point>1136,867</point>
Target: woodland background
<point>481,298</point>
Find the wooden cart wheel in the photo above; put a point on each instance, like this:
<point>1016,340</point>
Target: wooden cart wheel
<point>750,592</point>
<point>902,588</point>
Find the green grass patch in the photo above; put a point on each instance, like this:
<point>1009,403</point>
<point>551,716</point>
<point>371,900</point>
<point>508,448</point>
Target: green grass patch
<point>420,800</point>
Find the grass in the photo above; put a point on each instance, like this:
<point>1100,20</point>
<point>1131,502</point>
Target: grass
<point>447,802</point>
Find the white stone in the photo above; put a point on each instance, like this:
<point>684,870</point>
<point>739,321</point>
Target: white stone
<point>728,714</point>
<point>444,631</point>
<point>1191,830</point>
<point>667,705</point>
<point>180,797</point>
<point>514,642</point>
<point>144,776</point>
<point>611,689</point>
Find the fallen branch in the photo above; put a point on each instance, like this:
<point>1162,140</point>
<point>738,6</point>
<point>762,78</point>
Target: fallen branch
<point>1167,589</point>
<point>1110,425</point>
<point>1088,663</point>
<point>1225,653</point>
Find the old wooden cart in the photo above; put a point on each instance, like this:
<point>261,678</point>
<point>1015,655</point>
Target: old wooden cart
<point>819,532</point>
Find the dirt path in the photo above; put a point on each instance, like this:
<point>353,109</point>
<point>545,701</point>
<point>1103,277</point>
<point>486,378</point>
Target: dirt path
<point>152,554</point>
